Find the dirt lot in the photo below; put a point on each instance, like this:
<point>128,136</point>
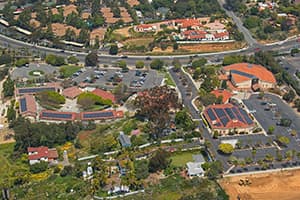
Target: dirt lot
<point>211,47</point>
<point>278,185</point>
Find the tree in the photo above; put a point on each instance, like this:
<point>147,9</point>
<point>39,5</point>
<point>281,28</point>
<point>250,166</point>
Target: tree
<point>55,60</point>
<point>289,96</point>
<point>159,161</point>
<point>22,62</point>
<point>294,51</point>
<point>141,169</point>
<point>87,100</point>
<point>214,170</point>
<point>226,148</point>
<point>38,167</point>
<point>157,64</point>
<point>283,140</point>
<point>8,87</point>
<point>184,121</point>
<point>91,59</point>
<point>11,113</point>
<point>113,50</point>
<point>139,64</point>
<point>199,63</point>
<point>155,104</point>
<point>72,60</point>
<point>5,58</point>
<point>67,170</point>
<point>271,129</point>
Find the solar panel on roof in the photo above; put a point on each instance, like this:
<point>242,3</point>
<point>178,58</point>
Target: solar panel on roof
<point>246,116</point>
<point>35,90</point>
<point>220,112</point>
<point>23,105</point>
<point>96,115</point>
<point>237,113</point>
<point>211,114</point>
<point>242,73</point>
<point>230,113</point>
<point>57,115</point>
<point>224,120</point>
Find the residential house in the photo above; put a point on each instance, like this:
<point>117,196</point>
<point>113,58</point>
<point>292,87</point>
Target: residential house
<point>38,154</point>
<point>97,33</point>
<point>194,168</point>
<point>124,140</point>
<point>145,28</point>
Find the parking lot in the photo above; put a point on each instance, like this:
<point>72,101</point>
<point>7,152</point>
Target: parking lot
<point>108,78</point>
<point>270,117</point>
<point>23,72</point>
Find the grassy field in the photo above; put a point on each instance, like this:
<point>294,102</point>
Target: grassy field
<point>139,41</point>
<point>68,70</point>
<point>10,167</point>
<point>180,159</point>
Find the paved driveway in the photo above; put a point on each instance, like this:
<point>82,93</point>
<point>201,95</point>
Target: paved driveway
<point>23,72</point>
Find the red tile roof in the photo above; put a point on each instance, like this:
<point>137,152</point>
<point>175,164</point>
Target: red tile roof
<point>256,70</point>
<point>71,92</point>
<point>104,94</point>
<point>184,23</point>
<point>218,117</point>
<point>41,152</point>
<point>224,93</point>
<point>30,105</point>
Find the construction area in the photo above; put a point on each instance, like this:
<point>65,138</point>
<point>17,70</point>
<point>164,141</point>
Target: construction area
<point>283,185</point>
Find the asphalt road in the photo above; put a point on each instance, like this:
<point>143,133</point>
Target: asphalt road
<point>247,35</point>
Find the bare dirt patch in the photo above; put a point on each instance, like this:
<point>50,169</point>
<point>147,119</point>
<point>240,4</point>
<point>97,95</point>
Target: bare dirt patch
<point>123,31</point>
<point>282,185</point>
<point>211,47</point>
<point>139,41</point>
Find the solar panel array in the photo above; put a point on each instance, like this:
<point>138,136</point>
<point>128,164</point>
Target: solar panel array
<point>34,90</point>
<point>23,105</point>
<point>225,115</point>
<point>56,115</point>
<point>242,74</point>
<point>97,115</point>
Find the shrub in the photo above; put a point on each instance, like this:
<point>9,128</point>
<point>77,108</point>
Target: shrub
<point>38,167</point>
<point>226,148</point>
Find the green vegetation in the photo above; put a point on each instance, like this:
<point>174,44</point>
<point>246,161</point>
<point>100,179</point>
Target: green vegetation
<point>5,58</point>
<point>168,80</point>
<point>283,140</point>
<point>159,161</point>
<point>157,64</point>
<point>72,60</point>
<point>183,120</point>
<point>50,99</point>
<point>22,62</point>
<point>91,59</point>
<point>88,100</point>
<point>226,148</point>
<point>42,134</point>
<point>180,159</point>
<point>11,112</point>
<point>67,71</point>
<point>8,87</point>
<point>55,60</point>
<point>139,64</point>
<point>113,50</point>
<point>31,73</point>
<point>38,167</point>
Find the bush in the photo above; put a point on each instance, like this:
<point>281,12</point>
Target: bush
<point>21,62</point>
<point>113,50</point>
<point>50,98</point>
<point>67,170</point>
<point>157,64</point>
<point>38,167</point>
<point>8,87</point>
<point>73,60</point>
<point>91,59</point>
<point>226,148</point>
<point>5,59</point>
<point>55,60</point>
<point>88,99</point>
<point>139,64</point>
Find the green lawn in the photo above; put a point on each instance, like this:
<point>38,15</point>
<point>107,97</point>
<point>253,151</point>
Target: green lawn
<point>68,70</point>
<point>168,80</point>
<point>180,159</point>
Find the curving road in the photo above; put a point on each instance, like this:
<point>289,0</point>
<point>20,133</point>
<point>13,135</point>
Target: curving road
<point>109,59</point>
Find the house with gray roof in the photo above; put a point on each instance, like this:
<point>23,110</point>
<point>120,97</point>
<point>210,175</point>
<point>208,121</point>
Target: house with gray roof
<point>124,140</point>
